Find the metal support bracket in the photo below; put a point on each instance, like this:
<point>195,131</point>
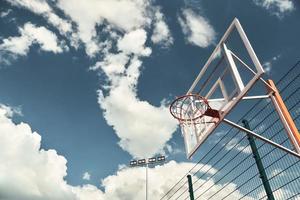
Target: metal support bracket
<point>261,138</point>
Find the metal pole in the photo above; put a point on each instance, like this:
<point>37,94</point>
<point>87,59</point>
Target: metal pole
<point>259,163</point>
<point>262,138</point>
<point>285,117</point>
<point>146,181</point>
<point>191,191</point>
<point>145,163</point>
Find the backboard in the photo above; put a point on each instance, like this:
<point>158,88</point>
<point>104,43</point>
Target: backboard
<point>224,80</point>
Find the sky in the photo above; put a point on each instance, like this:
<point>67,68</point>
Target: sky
<point>86,87</point>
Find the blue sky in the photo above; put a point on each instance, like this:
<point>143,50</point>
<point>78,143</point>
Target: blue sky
<point>94,80</point>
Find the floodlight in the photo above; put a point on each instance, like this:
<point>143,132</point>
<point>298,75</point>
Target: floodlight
<point>151,160</point>
<point>161,158</point>
<point>133,163</point>
<point>142,161</point>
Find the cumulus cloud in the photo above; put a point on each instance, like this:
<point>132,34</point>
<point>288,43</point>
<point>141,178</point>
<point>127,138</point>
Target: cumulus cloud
<point>112,64</point>
<point>196,29</point>
<point>161,179</point>
<point>87,192</point>
<point>41,7</point>
<point>143,129</point>
<point>29,172</point>
<point>86,176</point>
<point>25,168</point>
<point>126,23</point>
<point>133,43</point>
<point>125,16</point>
<point>140,134</point>
<point>118,16</point>
<point>161,33</point>
<point>276,7</point>
<point>29,35</point>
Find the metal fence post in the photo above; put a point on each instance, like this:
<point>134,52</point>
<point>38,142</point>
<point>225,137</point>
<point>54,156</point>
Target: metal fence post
<point>191,191</point>
<point>259,164</point>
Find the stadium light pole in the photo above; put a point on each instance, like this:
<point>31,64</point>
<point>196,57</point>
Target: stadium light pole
<point>146,162</point>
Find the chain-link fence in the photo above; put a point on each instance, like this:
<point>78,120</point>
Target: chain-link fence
<point>228,169</point>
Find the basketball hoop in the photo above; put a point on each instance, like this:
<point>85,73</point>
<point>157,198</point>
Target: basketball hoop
<point>190,107</point>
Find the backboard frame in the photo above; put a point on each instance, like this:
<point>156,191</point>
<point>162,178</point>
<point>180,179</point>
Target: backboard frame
<point>241,88</point>
<point>237,94</point>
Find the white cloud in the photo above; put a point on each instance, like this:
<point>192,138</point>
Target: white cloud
<point>267,67</point>
<point>124,15</point>
<point>196,29</point>
<point>125,25</point>
<point>161,179</point>
<point>86,176</point>
<point>161,33</point>
<point>87,192</point>
<point>29,35</point>
<point>123,110</point>
<point>28,172</point>
<point>17,45</point>
<point>125,22</point>
<point>41,7</point>
<point>25,168</point>
<point>45,38</point>
<point>5,13</point>
<point>112,64</point>
<point>276,7</point>
<point>36,6</point>
<point>142,128</point>
<point>11,111</point>
<point>133,43</point>
<point>233,144</point>
<point>269,64</point>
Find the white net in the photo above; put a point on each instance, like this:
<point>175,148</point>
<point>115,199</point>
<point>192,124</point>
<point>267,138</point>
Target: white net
<point>189,107</point>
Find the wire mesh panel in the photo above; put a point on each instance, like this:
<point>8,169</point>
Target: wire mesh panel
<point>228,169</point>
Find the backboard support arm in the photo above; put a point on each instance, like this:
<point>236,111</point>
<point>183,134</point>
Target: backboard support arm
<point>285,117</point>
<point>261,138</point>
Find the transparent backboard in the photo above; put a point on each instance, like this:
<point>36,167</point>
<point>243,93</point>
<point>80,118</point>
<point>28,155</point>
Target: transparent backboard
<point>229,73</point>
